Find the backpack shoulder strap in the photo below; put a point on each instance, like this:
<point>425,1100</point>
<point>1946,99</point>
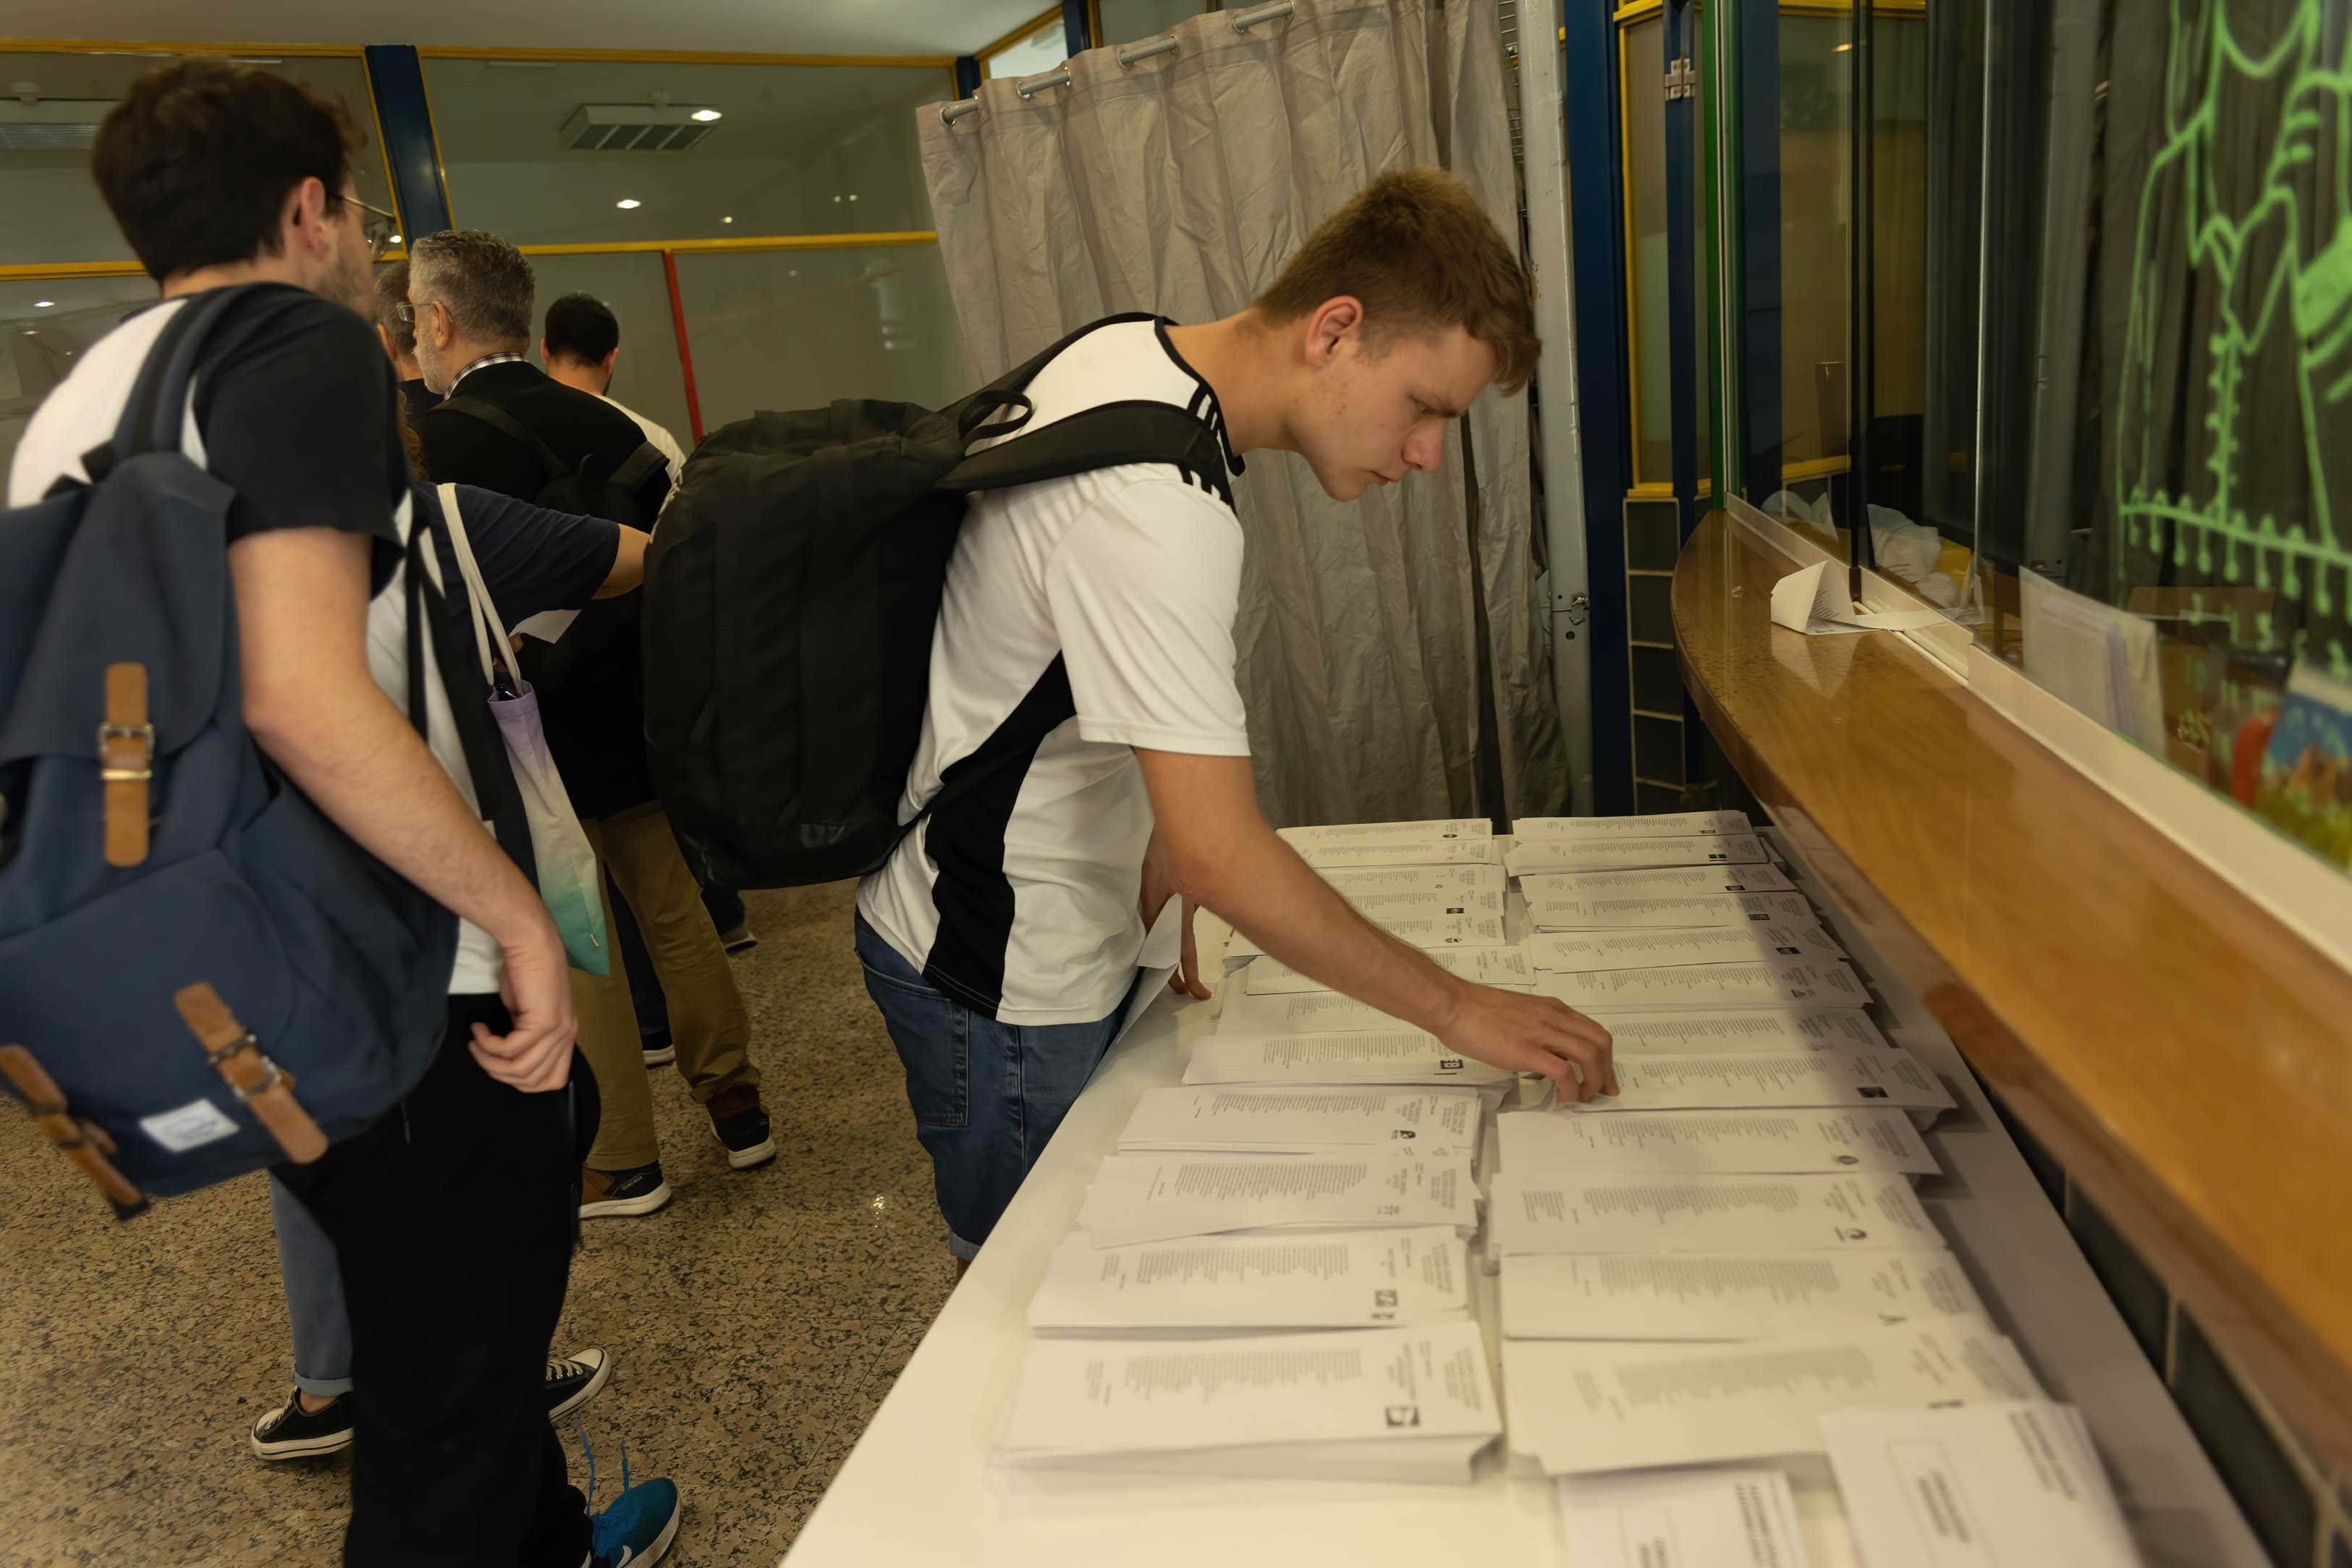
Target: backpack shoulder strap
<point>1104,437</point>
<point>973,415</point>
<point>510,427</point>
<point>151,416</point>
<point>638,467</point>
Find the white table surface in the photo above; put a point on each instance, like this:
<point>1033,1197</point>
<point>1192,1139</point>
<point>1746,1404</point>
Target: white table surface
<point>918,1488</point>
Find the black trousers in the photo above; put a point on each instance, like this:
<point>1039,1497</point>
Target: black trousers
<point>453,1219</point>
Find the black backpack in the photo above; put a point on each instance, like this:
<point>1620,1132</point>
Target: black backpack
<point>791,595</point>
<point>612,497</point>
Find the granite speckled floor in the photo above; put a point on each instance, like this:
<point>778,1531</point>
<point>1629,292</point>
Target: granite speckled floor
<point>757,1321</point>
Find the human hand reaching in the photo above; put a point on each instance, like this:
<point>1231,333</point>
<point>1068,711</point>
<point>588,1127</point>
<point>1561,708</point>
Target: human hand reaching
<point>1522,1032</point>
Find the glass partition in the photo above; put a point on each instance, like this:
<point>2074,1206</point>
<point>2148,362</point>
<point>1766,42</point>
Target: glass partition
<point>44,326</point>
<point>56,101</point>
<point>611,151</point>
<point>798,328</point>
<point>647,376</point>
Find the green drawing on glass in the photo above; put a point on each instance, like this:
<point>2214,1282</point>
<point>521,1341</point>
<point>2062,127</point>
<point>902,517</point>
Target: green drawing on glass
<point>2281,274</point>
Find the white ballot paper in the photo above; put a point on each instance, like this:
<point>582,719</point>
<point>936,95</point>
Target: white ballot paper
<point>1583,952</point>
<point>1759,1143</point>
<point>1716,1518</point>
<point>1307,1119</point>
<point>1775,1030</point>
<point>1403,1056</point>
<point>1658,1082</point>
<point>1482,965</point>
<point>1535,856</point>
<point>1656,881</point>
<point>1608,912</point>
<point>1630,827</point>
<point>2013,1485</point>
<point>1724,1295</point>
<point>1428,924</point>
<point>1578,1406</point>
<point>1156,1196</point>
<point>1432,852</point>
<point>1407,1403</point>
<point>1424,880</point>
<point>1388,832</point>
<point>1824,983</point>
<point>1812,599</point>
<point>1298,1012</point>
<point>1667,1214</point>
<point>1358,1278</point>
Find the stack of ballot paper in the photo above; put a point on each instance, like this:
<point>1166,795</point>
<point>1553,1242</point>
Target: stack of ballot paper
<point>1347,1056</point>
<point>1750,1143</point>
<point>1480,965</point>
<point>1211,1284</point>
<point>1628,912</point>
<point>1733,1029</point>
<point>1158,1197</point>
<point>1540,856</point>
<point>2002,1485</point>
<point>1589,952</point>
<point>1670,1214</point>
<point>1577,1406</point>
<point>1360,886</point>
<point>1388,832</point>
<point>1771,982</point>
<point>1661,1082</point>
<point>1657,882</point>
<point>1304,1120</point>
<point>1392,1405</point>
<point>1431,850</point>
<point>1724,1295</point>
<point>1677,823</point>
<point>1705,1519</point>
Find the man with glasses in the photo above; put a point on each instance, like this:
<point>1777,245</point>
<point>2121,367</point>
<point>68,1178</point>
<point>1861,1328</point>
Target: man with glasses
<point>450,1215</point>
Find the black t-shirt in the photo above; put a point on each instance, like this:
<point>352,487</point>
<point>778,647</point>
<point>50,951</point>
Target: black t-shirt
<point>585,434</point>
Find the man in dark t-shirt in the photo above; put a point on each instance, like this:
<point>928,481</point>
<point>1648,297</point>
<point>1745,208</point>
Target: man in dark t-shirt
<point>472,295</point>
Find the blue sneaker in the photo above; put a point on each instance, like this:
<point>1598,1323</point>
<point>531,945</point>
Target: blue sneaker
<point>637,1529</point>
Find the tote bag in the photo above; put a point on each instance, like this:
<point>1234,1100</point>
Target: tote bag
<point>568,878</point>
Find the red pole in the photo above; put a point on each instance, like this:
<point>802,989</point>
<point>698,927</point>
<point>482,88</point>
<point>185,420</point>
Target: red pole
<point>685,354</point>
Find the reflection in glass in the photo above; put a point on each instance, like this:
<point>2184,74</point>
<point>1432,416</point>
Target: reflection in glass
<point>797,328</point>
<point>55,212</point>
<point>45,326</point>
<point>798,150</point>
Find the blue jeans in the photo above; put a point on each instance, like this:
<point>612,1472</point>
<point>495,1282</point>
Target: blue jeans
<point>987,1096</point>
<point>314,1297</point>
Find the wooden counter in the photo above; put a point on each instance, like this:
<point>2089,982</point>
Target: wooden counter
<point>2186,1056</point>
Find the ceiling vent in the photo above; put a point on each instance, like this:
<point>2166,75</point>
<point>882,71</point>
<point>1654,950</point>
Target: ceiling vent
<point>32,124</point>
<point>638,127</point>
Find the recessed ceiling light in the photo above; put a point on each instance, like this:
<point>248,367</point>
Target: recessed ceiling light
<point>393,240</point>
<point>628,203</point>
<point>43,304</point>
<point>706,115</point>
<point>852,195</point>
<point>727,220</point>
<point>836,199</point>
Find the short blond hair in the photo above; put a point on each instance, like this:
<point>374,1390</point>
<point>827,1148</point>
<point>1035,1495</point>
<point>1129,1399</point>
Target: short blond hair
<point>1414,247</point>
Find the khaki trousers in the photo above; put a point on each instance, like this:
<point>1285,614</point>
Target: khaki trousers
<point>706,1019</point>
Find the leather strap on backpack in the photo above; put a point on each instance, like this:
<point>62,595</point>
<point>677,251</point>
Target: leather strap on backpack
<point>126,763</point>
<point>258,1083</point>
<point>84,1143</point>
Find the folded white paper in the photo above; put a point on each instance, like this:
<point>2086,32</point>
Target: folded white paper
<point>1424,880</point>
<point>1482,965</point>
<point>1081,1398</point>
<point>1584,952</point>
<point>1355,1056</point>
<point>1824,983</point>
<point>1388,832</point>
<point>1812,599</point>
<point>1656,881</point>
<point>1363,1279</point>
<point>1586,913</point>
<point>1633,1213</point>
<point>1544,856</point>
<point>1156,1196</point>
<point>1733,1031</point>
<point>1630,827</point>
<point>1762,1143</point>
<point>1432,852</point>
<point>1305,1119</point>
<point>1717,1519</point>
<point>1579,1407</point>
<point>1701,1083</point>
<point>1724,1295</point>
<point>2009,1485</point>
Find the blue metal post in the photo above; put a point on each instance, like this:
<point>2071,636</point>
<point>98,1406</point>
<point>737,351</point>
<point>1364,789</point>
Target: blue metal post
<point>1759,239</point>
<point>1076,29</point>
<point>966,76</point>
<point>1682,252</point>
<point>397,78</point>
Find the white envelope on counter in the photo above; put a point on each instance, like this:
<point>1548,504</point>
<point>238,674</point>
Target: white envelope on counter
<point>1812,599</point>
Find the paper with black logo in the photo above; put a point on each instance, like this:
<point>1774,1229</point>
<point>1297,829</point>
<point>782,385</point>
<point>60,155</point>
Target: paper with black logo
<point>1540,856</point>
<point>1700,1083</point>
<point>1591,912</point>
<point>1156,1196</point>
<point>1671,822</point>
<point>1305,1119</point>
<point>1771,982</point>
<point>1738,1031</point>
<point>1583,952</point>
<point>1397,1056</point>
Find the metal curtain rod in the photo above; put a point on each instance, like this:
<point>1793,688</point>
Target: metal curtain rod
<point>1243,22</point>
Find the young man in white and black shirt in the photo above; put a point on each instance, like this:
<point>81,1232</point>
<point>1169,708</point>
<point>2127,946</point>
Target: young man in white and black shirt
<point>1000,941</point>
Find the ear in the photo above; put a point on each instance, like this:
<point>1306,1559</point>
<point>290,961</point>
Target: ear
<point>1335,322</point>
<point>612,356</point>
<point>544,358</point>
<point>301,222</point>
<point>385,338</point>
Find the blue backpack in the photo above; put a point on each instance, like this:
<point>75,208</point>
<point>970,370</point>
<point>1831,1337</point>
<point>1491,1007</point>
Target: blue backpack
<point>199,973</point>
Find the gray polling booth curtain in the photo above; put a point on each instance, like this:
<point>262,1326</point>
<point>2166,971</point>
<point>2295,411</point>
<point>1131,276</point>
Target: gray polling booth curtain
<point>1181,184</point>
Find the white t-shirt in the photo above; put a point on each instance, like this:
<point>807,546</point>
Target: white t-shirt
<point>664,442</point>
<point>1107,599</point>
<point>82,411</point>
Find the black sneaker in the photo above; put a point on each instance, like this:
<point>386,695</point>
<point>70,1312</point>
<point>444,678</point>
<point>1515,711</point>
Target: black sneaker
<point>660,1050</point>
<point>741,1126</point>
<point>737,938</point>
<point>291,1432</point>
<point>574,1380</point>
<point>639,1190</point>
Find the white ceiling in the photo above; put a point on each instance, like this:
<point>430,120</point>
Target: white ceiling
<point>746,27</point>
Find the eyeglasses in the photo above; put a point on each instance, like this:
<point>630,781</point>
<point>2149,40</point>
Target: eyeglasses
<point>379,227</point>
